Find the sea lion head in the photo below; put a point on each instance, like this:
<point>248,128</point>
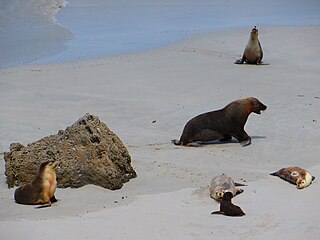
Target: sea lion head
<point>305,181</point>
<point>254,33</point>
<point>48,166</point>
<point>256,105</point>
<point>218,194</point>
<point>227,196</point>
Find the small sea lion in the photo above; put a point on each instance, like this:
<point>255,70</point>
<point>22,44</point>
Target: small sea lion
<point>253,53</point>
<point>296,175</point>
<point>221,124</point>
<point>42,188</point>
<point>228,208</point>
<point>221,184</point>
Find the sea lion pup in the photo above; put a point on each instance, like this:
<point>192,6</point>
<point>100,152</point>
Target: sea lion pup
<point>253,53</point>
<point>296,175</point>
<point>228,208</point>
<point>41,190</point>
<point>221,124</point>
<point>221,184</point>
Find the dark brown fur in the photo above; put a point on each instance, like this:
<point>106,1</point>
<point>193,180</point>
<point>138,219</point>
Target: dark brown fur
<point>253,53</point>
<point>228,208</point>
<point>41,190</point>
<point>221,124</point>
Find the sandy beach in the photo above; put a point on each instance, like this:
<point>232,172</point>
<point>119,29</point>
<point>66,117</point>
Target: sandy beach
<point>146,99</point>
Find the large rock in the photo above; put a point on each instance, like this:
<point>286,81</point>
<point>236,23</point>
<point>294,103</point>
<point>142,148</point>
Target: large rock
<point>88,153</point>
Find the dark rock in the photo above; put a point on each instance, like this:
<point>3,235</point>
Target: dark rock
<point>88,152</point>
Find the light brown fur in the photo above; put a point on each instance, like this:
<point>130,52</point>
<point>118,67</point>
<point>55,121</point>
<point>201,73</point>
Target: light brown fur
<point>41,190</point>
<point>295,175</point>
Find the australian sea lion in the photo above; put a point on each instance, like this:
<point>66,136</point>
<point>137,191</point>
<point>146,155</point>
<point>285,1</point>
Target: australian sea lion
<point>228,208</point>
<point>296,175</point>
<point>41,190</point>
<point>253,53</point>
<point>221,124</point>
<point>221,184</point>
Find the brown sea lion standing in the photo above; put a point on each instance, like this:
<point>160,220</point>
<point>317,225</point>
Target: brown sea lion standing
<point>221,124</point>
<point>41,190</point>
<point>296,175</point>
<point>228,208</point>
<point>253,53</point>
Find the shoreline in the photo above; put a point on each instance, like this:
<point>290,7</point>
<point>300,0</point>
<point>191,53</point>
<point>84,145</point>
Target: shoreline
<point>169,86</point>
<point>89,29</point>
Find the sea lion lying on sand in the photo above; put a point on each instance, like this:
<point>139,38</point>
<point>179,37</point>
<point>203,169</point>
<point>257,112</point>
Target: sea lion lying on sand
<point>221,124</point>
<point>221,184</point>
<point>228,208</point>
<point>253,53</point>
<point>296,175</point>
<point>41,190</point>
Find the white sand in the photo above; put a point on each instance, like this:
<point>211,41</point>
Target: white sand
<point>169,199</point>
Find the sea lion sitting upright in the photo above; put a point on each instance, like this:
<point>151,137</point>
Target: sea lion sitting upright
<point>253,53</point>
<point>41,190</point>
<point>221,124</point>
<point>228,208</point>
<point>221,184</point>
<point>296,175</point>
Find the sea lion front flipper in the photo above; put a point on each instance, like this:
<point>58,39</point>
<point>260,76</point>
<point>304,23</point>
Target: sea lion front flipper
<point>245,143</point>
<point>313,178</point>
<point>239,190</point>
<point>53,199</point>
<point>239,61</point>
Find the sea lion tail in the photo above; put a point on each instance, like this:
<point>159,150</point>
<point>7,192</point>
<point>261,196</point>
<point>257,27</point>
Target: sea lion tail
<point>176,142</point>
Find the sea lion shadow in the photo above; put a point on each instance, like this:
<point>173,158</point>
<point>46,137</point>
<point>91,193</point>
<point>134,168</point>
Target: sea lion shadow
<point>258,137</point>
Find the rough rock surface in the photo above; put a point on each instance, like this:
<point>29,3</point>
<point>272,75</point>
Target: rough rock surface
<point>88,153</point>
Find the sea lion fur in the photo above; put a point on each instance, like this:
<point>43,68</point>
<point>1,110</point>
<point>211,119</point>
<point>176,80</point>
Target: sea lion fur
<point>221,124</point>
<point>42,188</point>
<point>228,208</point>
<point>253,53</point>
<point>221,184</point>
<point>295,175</point>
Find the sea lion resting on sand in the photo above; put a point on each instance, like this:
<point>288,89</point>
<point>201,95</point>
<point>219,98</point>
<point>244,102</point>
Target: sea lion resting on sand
<point>296,175</point>
<point>221,184</point>
<point>228,208</point>
<point>221,124</point>
<point>253,53</point>
<point>41,190</point>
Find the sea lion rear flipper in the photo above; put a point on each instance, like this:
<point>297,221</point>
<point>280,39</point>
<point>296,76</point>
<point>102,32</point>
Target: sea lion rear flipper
<point>239,184</point>
<point>43,206</point>
<point>274,174</point>
<point>218,212</point>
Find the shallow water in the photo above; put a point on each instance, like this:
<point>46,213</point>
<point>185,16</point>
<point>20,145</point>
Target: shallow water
<point>96,28</point>
<point>29,31</point>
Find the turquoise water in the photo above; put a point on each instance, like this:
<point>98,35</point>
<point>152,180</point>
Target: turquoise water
<point>43,31</point>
